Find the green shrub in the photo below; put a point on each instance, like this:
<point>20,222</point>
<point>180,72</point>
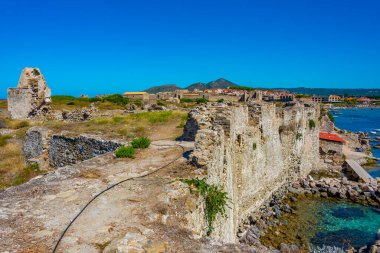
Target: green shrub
<point>142,142</point>
<point>186,100</point>
<point>220,100</point>
<point>201,100</point>
<point>94,99</point>
<point>160,103</point>
<point>298,136</point>
<point>137,102</point>
<point>116,99</point>
<point>215,200</point>
<point>70,103</point>
<point>331,117</point>
<point>22,124</point>
<point>254,146</point>
<point>311,124</point>
<point>36,72</point>
<point>125,152</point>
<point>4,139</point>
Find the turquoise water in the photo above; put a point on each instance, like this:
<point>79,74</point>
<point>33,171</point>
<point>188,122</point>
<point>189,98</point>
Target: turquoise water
<point>361,119</point>
<point>345,224</point>
<point>326,222</point>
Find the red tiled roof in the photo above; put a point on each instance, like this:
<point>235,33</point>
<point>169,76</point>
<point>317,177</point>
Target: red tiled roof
<point>330,137</point>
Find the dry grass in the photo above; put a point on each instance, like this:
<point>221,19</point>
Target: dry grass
<point>3,104</point>
<point>126,126</point>
<point>11,163</point>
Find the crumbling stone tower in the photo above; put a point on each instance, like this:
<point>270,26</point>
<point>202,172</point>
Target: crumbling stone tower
<point>31,98</point>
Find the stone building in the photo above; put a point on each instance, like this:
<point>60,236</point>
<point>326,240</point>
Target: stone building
<point>137,95</point>
<point>31,98</point>
<point>330,143</point>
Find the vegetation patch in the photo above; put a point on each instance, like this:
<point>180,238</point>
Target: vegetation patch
<point>125,152</point>
<point>254,146</point>
<point>36,72</point>
<point>142,142</point>
<point>215,199</point>
<point>201,101</point>
<point>187,100</point>
<point>331,117</point>
<point>27,173</point>
<point>298,136</point>
<point>4,139</point>
<point>311,124</point>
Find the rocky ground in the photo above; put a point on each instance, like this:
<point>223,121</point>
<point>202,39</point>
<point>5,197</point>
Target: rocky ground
<point>145,214</point>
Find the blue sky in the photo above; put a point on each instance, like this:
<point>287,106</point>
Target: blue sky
<point>111,46</point>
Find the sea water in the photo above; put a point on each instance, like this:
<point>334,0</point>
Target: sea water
<point>326,222</point>
<point>361,119</point>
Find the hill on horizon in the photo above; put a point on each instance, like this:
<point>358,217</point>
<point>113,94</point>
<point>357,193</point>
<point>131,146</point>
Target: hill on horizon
<point>220,83</point>
<point>163,88</point>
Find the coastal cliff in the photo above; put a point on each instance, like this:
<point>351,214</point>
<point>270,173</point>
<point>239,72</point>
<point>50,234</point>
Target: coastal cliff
<point>251,151</point>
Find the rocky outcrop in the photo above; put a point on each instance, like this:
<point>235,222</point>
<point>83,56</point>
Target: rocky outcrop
<point>32,96</point>
<point>251,151</point>
<point>70,150</point>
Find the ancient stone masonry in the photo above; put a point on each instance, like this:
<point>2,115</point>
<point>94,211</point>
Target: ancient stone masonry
<point>32,96</point>
<point>70,150</point>
<point>35,142</point>
<point>251,151</point>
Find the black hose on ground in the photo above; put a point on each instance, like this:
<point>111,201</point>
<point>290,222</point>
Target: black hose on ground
<point>112,186</point>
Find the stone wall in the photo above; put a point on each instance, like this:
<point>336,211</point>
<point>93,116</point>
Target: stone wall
<point>19,101</point>
<point>70,150</point>
<point>251,151</point>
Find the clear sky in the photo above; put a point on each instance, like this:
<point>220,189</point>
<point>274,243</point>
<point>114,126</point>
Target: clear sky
<point>109,46</point>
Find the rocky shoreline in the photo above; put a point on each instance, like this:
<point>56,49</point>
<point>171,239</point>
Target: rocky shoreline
<point>252,229</point>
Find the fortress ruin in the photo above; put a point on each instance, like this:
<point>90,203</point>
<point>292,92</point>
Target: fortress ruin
<point>32,96</point>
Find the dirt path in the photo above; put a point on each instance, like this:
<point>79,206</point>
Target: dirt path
<point>33,215</point>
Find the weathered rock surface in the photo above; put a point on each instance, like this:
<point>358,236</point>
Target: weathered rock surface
<point>31,98</point>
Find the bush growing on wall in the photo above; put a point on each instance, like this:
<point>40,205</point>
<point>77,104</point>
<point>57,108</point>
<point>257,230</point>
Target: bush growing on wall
<point>215,199</point>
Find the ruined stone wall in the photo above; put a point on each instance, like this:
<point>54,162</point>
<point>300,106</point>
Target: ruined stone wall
<point>31,98</point>
<point>251,151</point>
<point>70,150</point>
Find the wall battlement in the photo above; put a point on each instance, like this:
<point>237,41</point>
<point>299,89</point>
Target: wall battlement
<point>251,151</point>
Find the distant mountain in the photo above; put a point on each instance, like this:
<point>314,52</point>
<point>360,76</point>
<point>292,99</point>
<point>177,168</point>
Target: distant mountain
<point>199,86</point>
<point>219,83</point>
<point>163,88</point>
<point>329,91</point>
